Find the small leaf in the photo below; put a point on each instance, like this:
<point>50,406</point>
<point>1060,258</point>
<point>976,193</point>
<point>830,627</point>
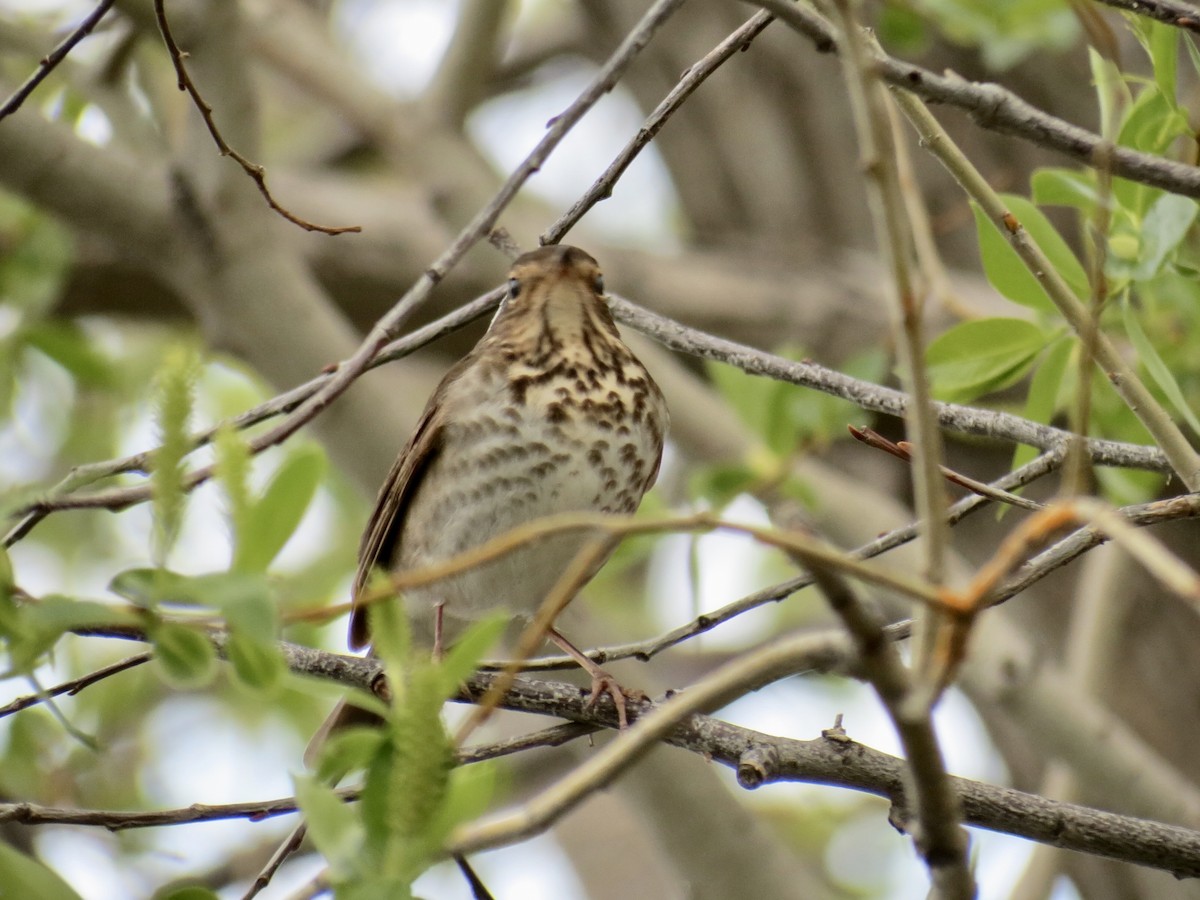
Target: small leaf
<point>1158,369</point>
<point>275,517</point>
<point>981,356</point>
<point>1004,269</point>
<point>233,473</point>
<point>147,587</point>
<point>1042,402</point>
<point>1164,226</point>
<point>1161,43</point>
<point>1065,187</point>
<point>347,751</point>
<point>186,656</point>
<point>257,663</point>
<point>35,628</point>
<point>390,632</point>
<point>463,658</point>
<point>332,823</point>
<point>23,877</point>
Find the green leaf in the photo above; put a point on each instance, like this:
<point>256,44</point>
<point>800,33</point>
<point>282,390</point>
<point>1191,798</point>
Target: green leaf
<point>257,663</point>
<point>22,878</point>
<point>1158,369</point>
<point>462,659</point>
<point>69,346</point>
<point>186,656</point>
<point>348,750</point>
<point>217,590</point>
<point>1042,401</point>
<point>190,892</point>
<point>468,794</point>
<point>173,410</point>
<point>1164,226</point>
<point>275,517</point>
<point>1161,43</point>
<point>333,825</point>
<point>233,474</point>
<point>35,627</point>
<point>1004,268</point>
<point>720,484</point>
<point>1111,91</point>
<point>982,356</point>
<point>1065,187</point>
<point>1193,55</point>
<point>390,632</point>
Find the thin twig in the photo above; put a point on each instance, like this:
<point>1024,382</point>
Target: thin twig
<point>997,109</point>
<point>937,829</point>
<point>54,57</point>
<point>695,75</point>
<point>868,396</point>
<point>479,227</point>
<point>615,527</point>
<point>65,494</point>
<point>1169,12</point>
<point>75,685</point>
<point>903,451</point>
<point>256,172</point>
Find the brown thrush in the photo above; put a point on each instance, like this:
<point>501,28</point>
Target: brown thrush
<point>549,413</point>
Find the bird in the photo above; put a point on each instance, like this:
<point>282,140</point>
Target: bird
<point>549,413</point>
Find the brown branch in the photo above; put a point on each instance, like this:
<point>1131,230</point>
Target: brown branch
<point>998,109</point>
<point>1169,12</point>
<point>834,760</point>
<point>51,60</point>
<point>480,226</point>
<point>75,685</point>
<point>668,332</point>
<point>865,395</point>
<point>256,172</point>
<point>903,451</point>
<point>61,495</point>
<point>695,75</point>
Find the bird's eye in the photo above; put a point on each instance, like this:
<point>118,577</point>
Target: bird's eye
<point>514,288</point>
<point>598,285</point>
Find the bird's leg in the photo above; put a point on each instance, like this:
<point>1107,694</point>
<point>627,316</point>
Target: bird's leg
<point>602,682</point>
<point>439,649</point>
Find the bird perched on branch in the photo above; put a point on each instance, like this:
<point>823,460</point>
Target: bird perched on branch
<point>549,413</point>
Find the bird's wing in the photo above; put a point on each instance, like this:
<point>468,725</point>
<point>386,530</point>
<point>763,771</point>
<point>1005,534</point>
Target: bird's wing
<point>381,539</point>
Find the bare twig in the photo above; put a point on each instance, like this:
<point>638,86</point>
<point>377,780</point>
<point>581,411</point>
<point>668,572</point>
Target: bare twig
<point>674,335</point>
<point>963,419</point>
<point>75,685</point>
<point>256,172</point>
<point>54,57</point>
<point>937,829</point>
<point>903,451</point>
<point>1169,12</point>
<point>997,109</point>
<point>695,75</point>
<point>65,494</point>
<point>479,226</point>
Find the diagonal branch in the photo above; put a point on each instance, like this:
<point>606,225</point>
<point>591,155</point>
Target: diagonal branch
<point>54,57</point>
<point>998,109</point>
